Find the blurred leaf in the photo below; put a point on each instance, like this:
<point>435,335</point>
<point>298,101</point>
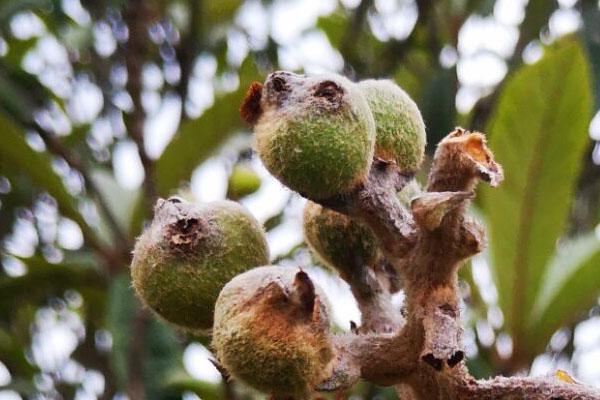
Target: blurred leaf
<point>120,310</point>
<point>570,288</point>
<point>21,386</point>
<point>438,105</point>
<point>20,195</point>
<point>591,36</point>
<point>13,357</point>
<point>181,382</point>
<point>196,140</point>
<point>16,153</point>
<point>8,9</point>
<point>537,14</point>
<point>334,26</point>
<point>164,354</point>
<point>218,11</point>
<point>539,134</point>
<point>121,202</point>
<point>44,280</point>
<point>162,349</point>
<point>366,54</point>
<point>415,73</point>
<point>15,95</point>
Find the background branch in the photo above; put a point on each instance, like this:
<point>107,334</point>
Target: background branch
<point>188,49</point>
<point>138,17</point>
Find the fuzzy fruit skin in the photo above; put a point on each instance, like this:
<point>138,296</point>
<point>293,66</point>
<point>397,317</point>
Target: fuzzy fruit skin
<point>400,128</point>
<point>183,260</point>
<point>315,134</point>
<point>340,242</point>
<point>272,331</point>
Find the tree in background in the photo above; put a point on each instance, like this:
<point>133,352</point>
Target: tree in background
<point>83,84</point>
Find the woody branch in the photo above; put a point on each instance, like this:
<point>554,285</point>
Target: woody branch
<point>427,245</point>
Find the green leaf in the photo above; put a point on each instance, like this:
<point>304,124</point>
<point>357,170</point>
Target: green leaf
<point>162,350</point>
<point>196,140</point>
<point>591,36</point>
<point>333,26</point>
<point>181,382</point>
<point>120,201</point>
<point>570,287</point>
<point>15,153</point>
<point>537,14</point>
<point>438,105</point>
<point>120,311</point>
<point>215,12</point>
<point>539,134</point>
<point>44,280</point>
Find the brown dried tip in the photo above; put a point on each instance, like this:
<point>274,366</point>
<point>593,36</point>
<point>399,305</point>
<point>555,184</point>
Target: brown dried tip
<point>474,145</point>
<point>250,109</point>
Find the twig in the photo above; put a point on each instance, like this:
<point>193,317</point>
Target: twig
<point>186,52</point>
<point>56,147</point>
<point>135,368</point>
<point>354,30</point>
<point>137,16</point>
<point>427,246</point>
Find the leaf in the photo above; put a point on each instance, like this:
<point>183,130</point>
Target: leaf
<point>215,12</point>
<point>537,14</point>
<point>121,307</point>
<point>164,355</point>
<point>181,382</point>
<point>15,153</point>
<point>163,352</point>
<point>591,36</point>
<point>120,201</point>
<point>539,134</point>
<point>44,280</point>
<point>197,139</point>
<point>438,105</point>
<point>333,26</point>
<point>570,287</point>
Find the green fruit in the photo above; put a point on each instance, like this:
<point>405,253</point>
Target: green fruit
<point>315,134</point>
<point>400,129</point>
<point>272,331</point>
<point>340,242</point>
<point>186,256</point>
<point>242,182</point>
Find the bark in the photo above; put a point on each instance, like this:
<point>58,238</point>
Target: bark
<point>426,245</point>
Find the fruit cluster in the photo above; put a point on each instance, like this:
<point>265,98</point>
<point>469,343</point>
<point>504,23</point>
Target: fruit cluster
<point>205,268</point>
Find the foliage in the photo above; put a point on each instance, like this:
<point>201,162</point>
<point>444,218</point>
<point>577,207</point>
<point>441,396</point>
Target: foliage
<point>67,94</point>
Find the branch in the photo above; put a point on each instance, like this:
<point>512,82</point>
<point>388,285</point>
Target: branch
<point>137,16</point>
<point>136,361</point>
<point>57,148</point>
<point>186,52</point>
<point>353,31</point>
<point>427,246</point>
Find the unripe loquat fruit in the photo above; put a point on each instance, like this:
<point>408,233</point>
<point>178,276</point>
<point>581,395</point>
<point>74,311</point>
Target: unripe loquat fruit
<point>272,331</point>
<point>188,253</point>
